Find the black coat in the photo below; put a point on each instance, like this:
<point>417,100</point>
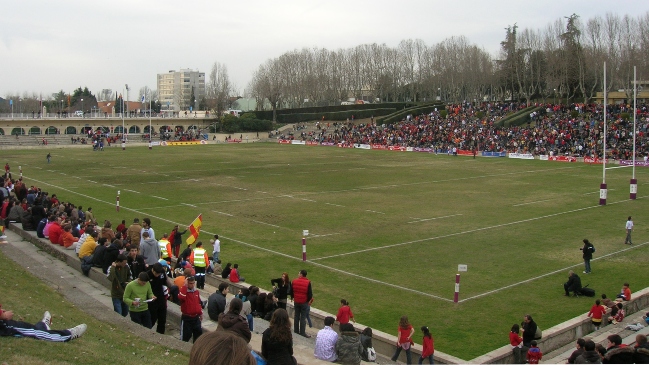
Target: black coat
<point>110,256</point>
<point>528,334</point>
<point>574,283</point>
<point>276,353</point>
<point>587,251</point>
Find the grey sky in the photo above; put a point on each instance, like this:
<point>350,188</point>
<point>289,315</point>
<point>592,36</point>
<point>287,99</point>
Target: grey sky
<point>46,46</point>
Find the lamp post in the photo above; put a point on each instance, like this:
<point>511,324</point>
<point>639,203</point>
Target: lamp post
<point>439,94</point>
<point>83,115</point>
<point>555,96</point>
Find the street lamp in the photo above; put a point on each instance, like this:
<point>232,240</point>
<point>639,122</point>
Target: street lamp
<point>82,113</point>
<point>555,96</point>
<point>439,94</point>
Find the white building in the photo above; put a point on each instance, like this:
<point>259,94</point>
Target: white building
<point>175,89</point>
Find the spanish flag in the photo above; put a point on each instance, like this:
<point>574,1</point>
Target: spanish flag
<point>194,229</point>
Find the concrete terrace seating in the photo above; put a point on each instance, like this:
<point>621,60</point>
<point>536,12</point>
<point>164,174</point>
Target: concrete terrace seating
<point>568,332</point>
<point>303,348</point>
<point>557,342</point>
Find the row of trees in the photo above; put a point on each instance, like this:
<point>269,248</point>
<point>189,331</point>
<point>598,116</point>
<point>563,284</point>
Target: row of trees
<point>562,61</point>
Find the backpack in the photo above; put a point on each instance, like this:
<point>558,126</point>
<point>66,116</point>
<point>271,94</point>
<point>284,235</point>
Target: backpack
<point>371,354</point>
<point>592,248</point>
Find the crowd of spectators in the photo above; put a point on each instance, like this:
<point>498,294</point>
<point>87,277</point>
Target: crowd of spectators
<point>574,130</point>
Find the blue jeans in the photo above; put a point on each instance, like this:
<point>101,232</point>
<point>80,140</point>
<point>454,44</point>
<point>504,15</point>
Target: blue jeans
<point>299,319</point>
<point>120,307</point>
<point>308,315</point>
<point>430,359</point>
<point>408,355</point>
<point>250,319</point>
<point>587,265</point>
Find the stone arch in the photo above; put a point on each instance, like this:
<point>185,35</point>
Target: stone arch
<point>85,129</point>
<point>102,129</point>
<point>134,129</point>
<point>146,129</point>
<point>34,130</point>
<point>51,130</point>
<point>17,131</point>
<point>70,130</point>
<point>118,130</point>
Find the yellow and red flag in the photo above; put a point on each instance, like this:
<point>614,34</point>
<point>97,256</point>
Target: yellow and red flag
<point>194,229</point>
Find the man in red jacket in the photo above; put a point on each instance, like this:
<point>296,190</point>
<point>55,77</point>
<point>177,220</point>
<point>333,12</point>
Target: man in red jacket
<point>302,294</point>
<point>191,308</point>
<point>56,231</point>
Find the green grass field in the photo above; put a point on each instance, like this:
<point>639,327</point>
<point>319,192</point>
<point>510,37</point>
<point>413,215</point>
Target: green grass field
<point>387,230</point>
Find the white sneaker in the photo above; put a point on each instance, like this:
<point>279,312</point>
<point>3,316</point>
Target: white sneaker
<point>47,319</point>
<point>78,331</point>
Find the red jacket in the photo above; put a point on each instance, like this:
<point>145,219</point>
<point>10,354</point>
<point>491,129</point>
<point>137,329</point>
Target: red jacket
<point>55,233</point>
<point>190,302</point>
<point>429,349</point>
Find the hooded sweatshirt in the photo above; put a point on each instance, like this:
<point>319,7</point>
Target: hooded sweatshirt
<point>150,250</point>
<point>236,323</point>
<point>349,348</point>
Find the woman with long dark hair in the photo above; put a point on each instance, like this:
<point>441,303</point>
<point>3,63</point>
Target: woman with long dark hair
<point>277,340</point>
<point>283,286</point>
<point>428,347</point>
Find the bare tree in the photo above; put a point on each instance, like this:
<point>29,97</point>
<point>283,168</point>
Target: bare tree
<point>219,88</point>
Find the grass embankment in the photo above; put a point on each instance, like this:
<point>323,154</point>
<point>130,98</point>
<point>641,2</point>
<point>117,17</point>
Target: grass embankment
<point>103,343</point>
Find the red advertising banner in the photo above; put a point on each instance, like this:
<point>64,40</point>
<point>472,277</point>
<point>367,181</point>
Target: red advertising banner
<point>311,143</point>
<point>283,141</point>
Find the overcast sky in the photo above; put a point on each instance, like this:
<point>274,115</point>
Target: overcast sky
<point>46,45</point>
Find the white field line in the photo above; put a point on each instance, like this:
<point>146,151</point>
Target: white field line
<point>158,197</point>
<point>618,167</point>
<point>132,191</point>
<point>373,211</point>
<point>109,185</point>
<point>417,220</point>
<point>549,273</point>
<point>538,201</point>
<point>400,287</point>
<point>323,235</point>
<point>189,205</point>
<point>229,215</point>
<point>336,205</point>
<point>308,200</point>
<point>94,182</point>
<point>268,224</point>
<point>466,232</point>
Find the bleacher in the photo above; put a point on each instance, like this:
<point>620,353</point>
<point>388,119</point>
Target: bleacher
<point>557,342</point>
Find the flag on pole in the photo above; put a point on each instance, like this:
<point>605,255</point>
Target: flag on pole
<point>143,98</point>
<point>194,229</point>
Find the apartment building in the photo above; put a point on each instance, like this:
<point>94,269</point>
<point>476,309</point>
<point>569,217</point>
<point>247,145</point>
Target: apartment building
<point>175,89</point>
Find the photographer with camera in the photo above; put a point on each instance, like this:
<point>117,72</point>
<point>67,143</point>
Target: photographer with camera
<point>587,250</point>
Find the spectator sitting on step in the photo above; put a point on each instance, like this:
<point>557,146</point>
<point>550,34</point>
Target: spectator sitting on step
<point>226,271</point>
<point>270,305</point>
<point>607,302</point>
<point>617,353</point>
<point>100,252</point>
<point>625,294</point>
<point>581,343</point>
<point>325,342</point>
<point>641,355</point>
<point>348,346</point>
<point>235,277</point>
<point>217,301</point>
<point>221,347</point>
<point>67,238</point>
<point>252,298</point>
<point>233,321</point>
<point>618,316</point>
<point>590,355</point>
